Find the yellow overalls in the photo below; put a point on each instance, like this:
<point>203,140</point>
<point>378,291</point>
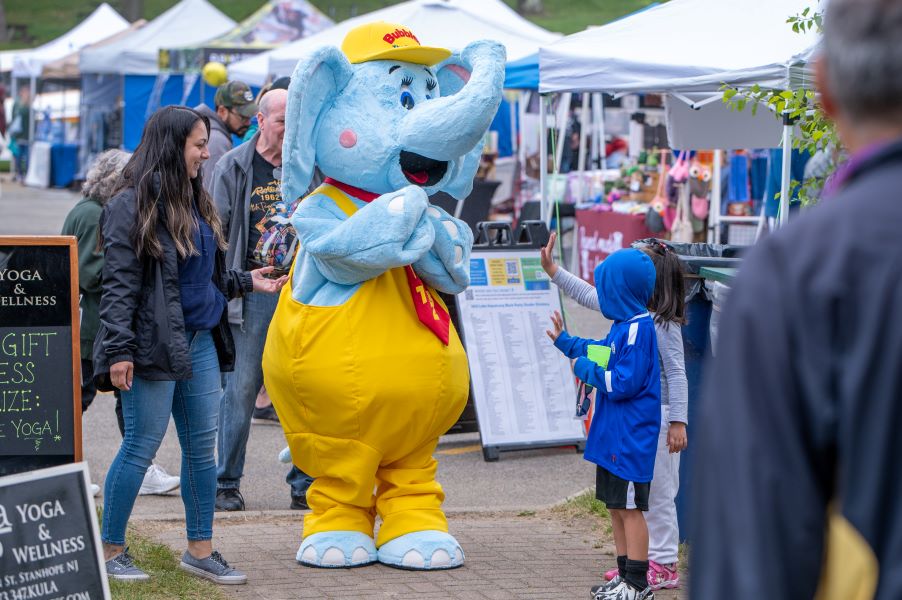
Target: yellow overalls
<point>363,391</point>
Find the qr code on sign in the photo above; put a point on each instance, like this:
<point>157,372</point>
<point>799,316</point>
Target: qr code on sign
<point>512,268</point>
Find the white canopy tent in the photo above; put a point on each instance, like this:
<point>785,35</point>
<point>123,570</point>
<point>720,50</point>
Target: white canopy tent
<point>67,67</point>
<point>446,23</point>
<point>188,22</point>
<point>101,23</point>
<point>690,49</point>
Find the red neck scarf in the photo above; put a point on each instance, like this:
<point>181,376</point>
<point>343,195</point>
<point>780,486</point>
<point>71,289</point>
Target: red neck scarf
<point>429,310</point>
<point>350,190</point>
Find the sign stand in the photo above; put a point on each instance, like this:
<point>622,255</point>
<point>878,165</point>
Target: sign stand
<point>49,540</point>
<point>522,387</point>
<point>40,362</point>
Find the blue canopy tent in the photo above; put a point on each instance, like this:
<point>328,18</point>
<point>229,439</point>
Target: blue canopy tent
<point>522,74</point>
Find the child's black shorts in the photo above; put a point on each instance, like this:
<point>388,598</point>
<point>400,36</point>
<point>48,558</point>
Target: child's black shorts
<point>616,492</point>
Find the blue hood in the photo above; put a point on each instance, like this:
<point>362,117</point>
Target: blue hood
<point>625,281</point>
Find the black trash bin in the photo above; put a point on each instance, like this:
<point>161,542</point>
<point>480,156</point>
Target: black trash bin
<point>696,341</point>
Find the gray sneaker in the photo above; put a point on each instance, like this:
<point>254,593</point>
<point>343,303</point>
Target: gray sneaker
<point>122,567</point>
<point>600,590</point>
<point>214,567</point>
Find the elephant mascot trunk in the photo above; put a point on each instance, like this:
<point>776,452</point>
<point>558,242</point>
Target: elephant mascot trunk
<point>362,363</point>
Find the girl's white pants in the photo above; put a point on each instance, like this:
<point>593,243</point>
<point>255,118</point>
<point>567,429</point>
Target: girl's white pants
<point>663,530</point>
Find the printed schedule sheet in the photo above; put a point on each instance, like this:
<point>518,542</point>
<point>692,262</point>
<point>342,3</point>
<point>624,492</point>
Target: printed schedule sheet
<point>523,387</point>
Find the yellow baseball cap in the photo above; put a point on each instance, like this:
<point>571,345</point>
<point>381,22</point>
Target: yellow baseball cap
<point>386,41</point>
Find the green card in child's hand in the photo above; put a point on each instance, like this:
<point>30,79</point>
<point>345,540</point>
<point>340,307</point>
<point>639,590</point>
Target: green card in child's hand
<point>599,354</point>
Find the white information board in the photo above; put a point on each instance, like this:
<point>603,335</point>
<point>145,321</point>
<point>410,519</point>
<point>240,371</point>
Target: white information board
<point>523,387</point>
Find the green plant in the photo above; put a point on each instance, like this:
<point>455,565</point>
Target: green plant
<point>799,106</point>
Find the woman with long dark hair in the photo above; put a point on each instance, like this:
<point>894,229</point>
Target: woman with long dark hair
<point>163,337</point>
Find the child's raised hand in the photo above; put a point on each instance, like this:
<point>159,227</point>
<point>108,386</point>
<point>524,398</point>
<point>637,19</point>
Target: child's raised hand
<point>558,322</point>
<point>548,255</point>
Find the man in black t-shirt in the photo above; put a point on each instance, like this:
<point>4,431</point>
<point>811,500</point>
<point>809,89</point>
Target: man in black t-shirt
<point>247,193</point>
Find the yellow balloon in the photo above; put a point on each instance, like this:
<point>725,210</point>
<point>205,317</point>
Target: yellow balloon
<point>215,74</point>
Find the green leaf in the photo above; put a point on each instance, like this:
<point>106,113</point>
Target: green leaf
<point>729,93</point>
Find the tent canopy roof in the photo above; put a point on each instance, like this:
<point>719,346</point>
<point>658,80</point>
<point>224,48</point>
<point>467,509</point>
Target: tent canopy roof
<point>188,22</point>
<point>444,23</point>
<point>685,45</point>
<point>275,23</point>
<point>101,23</point>
<point>67,66</point>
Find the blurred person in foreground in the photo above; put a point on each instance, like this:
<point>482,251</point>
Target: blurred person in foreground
<point>799,474</point>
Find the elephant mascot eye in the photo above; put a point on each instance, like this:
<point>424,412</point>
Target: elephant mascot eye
<point>407,100</point>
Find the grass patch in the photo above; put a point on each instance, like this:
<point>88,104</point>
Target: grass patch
<point>167,581</point>
<point>587,504</point>
<point>586,507</point>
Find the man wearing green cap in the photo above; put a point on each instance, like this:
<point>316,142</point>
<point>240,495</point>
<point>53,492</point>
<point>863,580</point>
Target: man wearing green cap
<point>235,106</point>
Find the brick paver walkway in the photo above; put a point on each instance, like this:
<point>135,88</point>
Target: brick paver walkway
<point>543,557</point>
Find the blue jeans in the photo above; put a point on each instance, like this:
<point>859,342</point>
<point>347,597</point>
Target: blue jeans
<point>20,161</point>
<point>194,406</point>
<point>239,394</point>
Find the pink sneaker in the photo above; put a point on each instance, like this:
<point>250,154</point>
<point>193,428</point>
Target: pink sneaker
<point>609,575</point>
<point>662,576</point>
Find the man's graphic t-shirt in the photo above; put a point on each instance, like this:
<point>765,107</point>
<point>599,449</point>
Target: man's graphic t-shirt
<point>271,239</point>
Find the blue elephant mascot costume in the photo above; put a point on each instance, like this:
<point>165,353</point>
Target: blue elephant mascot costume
<point>361,361</point>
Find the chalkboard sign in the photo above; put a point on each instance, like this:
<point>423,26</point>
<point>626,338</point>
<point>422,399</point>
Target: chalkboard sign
<point>49,542</point>
<point>40,365</point>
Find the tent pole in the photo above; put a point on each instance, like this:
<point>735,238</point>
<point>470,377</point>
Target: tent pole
<point>33,88</point>
<point>513,111</point>
<point>561,119</point>
<point>583,134</point>
<point>787,166</point>
<point>600,135</point>
<point>716,192</point>
<point>544,212</point>
<point>522,103</point>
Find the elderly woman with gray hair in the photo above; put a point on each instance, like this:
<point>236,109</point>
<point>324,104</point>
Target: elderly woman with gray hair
<point>83,222</point>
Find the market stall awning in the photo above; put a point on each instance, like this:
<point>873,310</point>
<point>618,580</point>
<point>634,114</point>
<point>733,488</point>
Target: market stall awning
<point>445,23</point>
<point>188,22</point>
<point>684,46</point>
<point>101,23</point>
<point>276,23</point>
<point>67,66</point>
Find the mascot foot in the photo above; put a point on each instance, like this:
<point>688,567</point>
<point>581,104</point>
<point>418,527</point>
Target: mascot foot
<point>337,550</point>
<point>422,551</point>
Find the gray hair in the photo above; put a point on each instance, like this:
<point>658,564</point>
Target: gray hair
<point>103,176</point>
<point>862,48</point>
<point>265,104</point>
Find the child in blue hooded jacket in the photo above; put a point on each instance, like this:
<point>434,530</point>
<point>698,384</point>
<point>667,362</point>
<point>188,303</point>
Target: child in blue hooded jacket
<point>624,432</point>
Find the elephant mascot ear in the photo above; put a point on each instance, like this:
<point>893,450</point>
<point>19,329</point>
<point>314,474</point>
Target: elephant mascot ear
<point>453,74</point>
<point>316,81</point>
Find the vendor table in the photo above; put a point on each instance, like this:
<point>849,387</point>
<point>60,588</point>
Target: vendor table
<point>600,233</point>
<point>724,275</point>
